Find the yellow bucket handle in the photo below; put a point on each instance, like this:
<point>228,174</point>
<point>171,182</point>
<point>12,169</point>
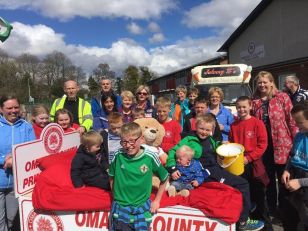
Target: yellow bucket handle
<point>227,165</point>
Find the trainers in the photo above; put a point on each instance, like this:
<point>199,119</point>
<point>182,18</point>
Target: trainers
<point>171,191</point>
<point>251,225</point>
<point>184,192</point>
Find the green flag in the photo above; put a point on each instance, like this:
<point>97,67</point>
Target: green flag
<point>5,29</point>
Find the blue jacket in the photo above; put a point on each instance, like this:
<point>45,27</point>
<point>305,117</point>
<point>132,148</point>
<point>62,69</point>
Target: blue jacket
<point>299,152</point>
<point>21,131</point>
<point>96,104</point>
<point>225,117</point>
<point>100,120</point>
<point>194,171</point>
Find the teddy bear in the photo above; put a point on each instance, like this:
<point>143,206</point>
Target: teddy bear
<point>153,133</point>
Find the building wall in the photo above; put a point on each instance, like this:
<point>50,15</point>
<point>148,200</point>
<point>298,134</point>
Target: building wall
<point>278,34</point>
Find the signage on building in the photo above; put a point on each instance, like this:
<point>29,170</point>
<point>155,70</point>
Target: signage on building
<point>252,52</point>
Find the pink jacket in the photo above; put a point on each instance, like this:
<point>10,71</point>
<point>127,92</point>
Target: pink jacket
<point>283,128</point>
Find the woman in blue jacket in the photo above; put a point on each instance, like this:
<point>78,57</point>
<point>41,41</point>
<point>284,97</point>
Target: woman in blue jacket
<point>13,130</point>
<point>223,115</point>
<point>109,104</point>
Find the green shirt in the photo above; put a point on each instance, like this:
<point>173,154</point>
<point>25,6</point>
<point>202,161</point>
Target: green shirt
<point>132,177</point>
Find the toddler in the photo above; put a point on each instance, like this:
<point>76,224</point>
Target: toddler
<point>86,166</point>
<point>191,172</point>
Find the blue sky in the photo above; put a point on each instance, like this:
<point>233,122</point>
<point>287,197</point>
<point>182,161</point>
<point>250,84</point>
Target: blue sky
<point>164,35</point>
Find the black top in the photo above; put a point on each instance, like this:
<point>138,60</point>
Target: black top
<point>87,167</point>
<point>72,106</point>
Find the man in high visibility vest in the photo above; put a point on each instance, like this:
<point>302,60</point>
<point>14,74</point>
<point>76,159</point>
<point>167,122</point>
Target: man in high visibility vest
<point>80,108</point>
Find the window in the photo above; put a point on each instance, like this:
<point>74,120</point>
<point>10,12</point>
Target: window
<point>281,80</point>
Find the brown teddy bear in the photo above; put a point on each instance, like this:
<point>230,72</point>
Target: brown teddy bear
<point>153,133</point>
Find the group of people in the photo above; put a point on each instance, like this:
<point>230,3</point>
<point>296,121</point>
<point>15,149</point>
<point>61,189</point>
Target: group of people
<point>113,156</point>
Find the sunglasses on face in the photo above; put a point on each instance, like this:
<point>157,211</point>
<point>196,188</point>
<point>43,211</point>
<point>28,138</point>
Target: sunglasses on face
<point>142,93</point>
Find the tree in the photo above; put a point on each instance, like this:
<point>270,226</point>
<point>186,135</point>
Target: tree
<point>146,75</point>
<point>134,77</point>
<point>93,86</point>
<point>131,78</point>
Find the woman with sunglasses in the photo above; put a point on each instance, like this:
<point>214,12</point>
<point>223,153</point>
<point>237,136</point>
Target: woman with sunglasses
<point>143,102</point>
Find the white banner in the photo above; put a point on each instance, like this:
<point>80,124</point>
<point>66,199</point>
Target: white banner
<point>25,156</point>
<point>177,218</point>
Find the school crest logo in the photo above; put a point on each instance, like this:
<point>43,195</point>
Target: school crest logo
<point>144,168</point>
<point>250,134</point>
<point>53,140</point>
<point>48,221</point>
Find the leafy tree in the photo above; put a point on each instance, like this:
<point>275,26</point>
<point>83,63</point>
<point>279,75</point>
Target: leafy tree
<point>93,86</point>
<point>131,78</point>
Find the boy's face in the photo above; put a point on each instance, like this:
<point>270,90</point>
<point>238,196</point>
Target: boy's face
<point>201,108</point>
<point>183,159</point>
<point>162,113</point>
<point>243,109</point>
<point>127,102</point>
<point>115,128</point>
<point>131,144</point>
<point>301,121</point>
<point>204,130</point>
<point>138,116</point>
<point>192,96</point>
<point>181,95</point>
<point>94,148</point>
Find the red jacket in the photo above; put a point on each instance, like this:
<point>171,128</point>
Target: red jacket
<point>283,128</point>
<point>252,135</point>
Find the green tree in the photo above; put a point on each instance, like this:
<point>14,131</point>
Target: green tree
<point>93,86</point>
<point>131,78</point>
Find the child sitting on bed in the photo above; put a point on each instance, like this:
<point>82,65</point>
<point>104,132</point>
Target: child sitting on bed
<point>191,172</point>
<point>86,167</point>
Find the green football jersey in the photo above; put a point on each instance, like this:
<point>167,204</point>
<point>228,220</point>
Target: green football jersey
<point>132,177</point>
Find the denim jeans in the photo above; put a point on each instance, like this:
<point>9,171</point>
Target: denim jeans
<point>8,208</point>
<point>180,185</point>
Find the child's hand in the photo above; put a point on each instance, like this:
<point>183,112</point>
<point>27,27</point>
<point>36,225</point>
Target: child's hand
<point>245,160</point>
<point>285,177</point>
<point>293,185</point>
<point>176,175</point>
<point>154,206</point>
<point>195,183</point>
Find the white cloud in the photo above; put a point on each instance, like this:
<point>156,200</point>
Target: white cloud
<point>40,40</point>
<point>64,10</point>
<point>223,14</point>
<point>134,28</point>
<point>153,27</point>
<point>157,38</point>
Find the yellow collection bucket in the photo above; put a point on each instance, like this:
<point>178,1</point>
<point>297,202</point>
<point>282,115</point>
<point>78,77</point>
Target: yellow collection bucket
<point>231,157</point>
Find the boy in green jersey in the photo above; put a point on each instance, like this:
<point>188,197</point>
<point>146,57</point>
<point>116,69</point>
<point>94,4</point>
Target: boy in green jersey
<point>130,173</point>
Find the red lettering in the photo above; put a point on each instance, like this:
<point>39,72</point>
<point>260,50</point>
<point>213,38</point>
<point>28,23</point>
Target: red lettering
<point>176,224</point>
<point>210,227</point>
<point>29,181</point>
<point>104,220</point>
<point>78,215</point>
<point>31,165</point>
<point>169,222</point>
<point>185,226</point>
<point>92,219</point>
<point>198,224</point>
<point>159,221</point>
